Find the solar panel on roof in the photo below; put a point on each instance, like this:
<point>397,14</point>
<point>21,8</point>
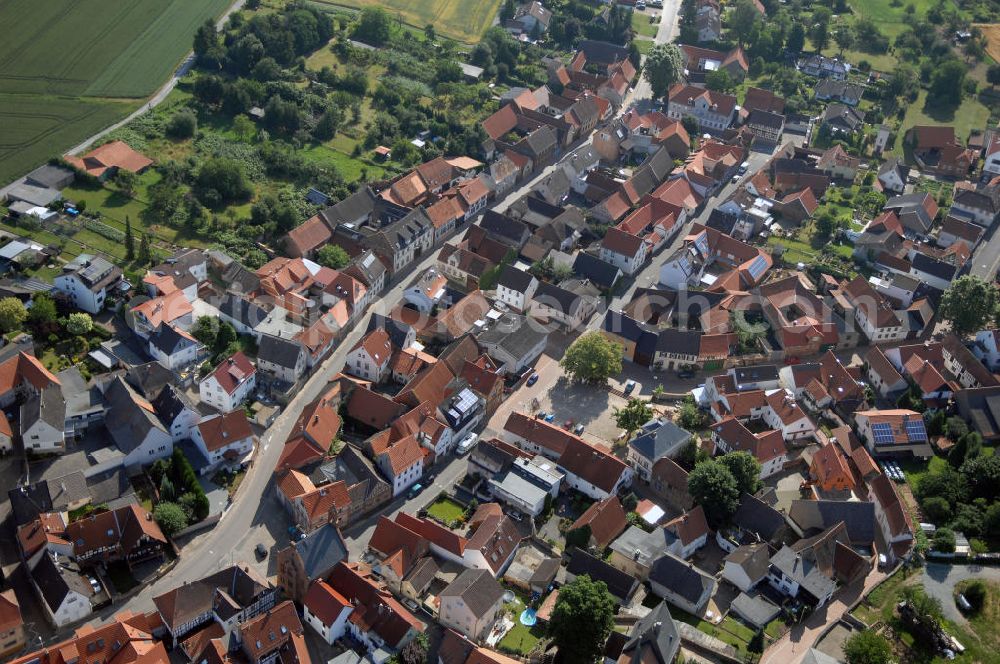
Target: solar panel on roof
<point>883,433</point>
<point>758,266</point>
<point>915,430</point>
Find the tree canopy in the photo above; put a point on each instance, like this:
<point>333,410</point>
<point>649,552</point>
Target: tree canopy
<point>867,647</point>
<point>12,314</point>
<point>332,256</point>
<point>663,68</point>
<point>712,485</point>
<point>635,413</point>
<point>968,304</point>
<point>745,469</point>
<point>592,358</point>
<point>582,619</point>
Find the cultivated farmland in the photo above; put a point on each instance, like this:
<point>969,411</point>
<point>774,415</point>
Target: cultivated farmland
<point>464,20</point>
<point>992,33</point>
<point>70,67</point>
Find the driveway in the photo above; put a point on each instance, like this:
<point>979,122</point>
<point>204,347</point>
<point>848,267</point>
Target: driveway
<point>939,581</point>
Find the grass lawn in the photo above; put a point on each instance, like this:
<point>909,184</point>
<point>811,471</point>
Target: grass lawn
<point>969,115</point>
<point>446,510</point>
<point>521,638</point>
<point>880,602</point>
<point>351,168</point>
<point>984,623</point>
<point>729,630</point>
<point>644,45</point>
<point>775,628</point>
<point>642,25</point>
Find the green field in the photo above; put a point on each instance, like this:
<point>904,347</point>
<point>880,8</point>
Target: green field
<point>68,68</point>
<point>455,19</point>
<point>34,128</point>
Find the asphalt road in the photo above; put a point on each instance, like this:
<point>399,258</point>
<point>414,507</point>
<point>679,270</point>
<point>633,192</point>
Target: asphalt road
<point>939,581</point>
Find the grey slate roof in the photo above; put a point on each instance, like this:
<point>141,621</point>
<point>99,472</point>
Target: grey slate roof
<point>656,631</point>
<point>640,546</point>
<point>940,269</point>
<point>756,516</point>
<point>756,374</point>
<point>169,340</point>
<point>682,578</point>
<point>27,502</point>
<point>859,517</point>
<point>558,298</point>
<point>127,421</point>
<point>684,342</point>
<point>81,398</point>
<point>278,350</point>
<point>68,489</point>
<point>477,588</point>
<point>661,441</point>
<point>752,558</point>
<point>53,586</point>
<point>600,272</point>
<point>149,378</point>
<point>47,406</point>
<point>755,609</point>
<point>804,571</point>
<point>514,279</point>
<point>241,309</point>
<point>619,584</point>
<point>321,550</point>
<point>171,402</point>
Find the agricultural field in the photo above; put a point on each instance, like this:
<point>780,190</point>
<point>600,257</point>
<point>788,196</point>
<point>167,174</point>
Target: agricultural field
<point>34,128</point>
<point>463,21</point>
<point>71,67</point>
<point>992,33</point>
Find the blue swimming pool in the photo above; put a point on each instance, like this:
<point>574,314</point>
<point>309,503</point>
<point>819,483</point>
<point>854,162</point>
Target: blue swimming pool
<point>528,617</point>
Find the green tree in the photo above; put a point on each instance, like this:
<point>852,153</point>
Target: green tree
<point>244,127</point>
<point>947,83</point>
<point>720,81</point>
<point>936,509</point>
<point>993,75</point>
<point>225,337</point>
<point>220,181</point>
<point>170,517</point>
<point>663,68</point>
<point>819,33</point>
<point>796,38</point>
<point>129,240</point>
<point>712,486</point>
<point>844,38</point>
<point>79,323</point>
<point>326,128</point>
<point>592,358</point>
<point>374,27</point>
<point>145,251</point>
<point>182,125</point>
<point>744,21</point>
<point>969,304</point>
<point>745,469</point>
<point>43,310</point>
<point>125,180</point>
<point>689,416</point>
<point>691,455</point>
<point>635,413</point>
<point>578,537</point>
<point>12,314</point>
<point>867,647</point>
<point>944,540</point>
<point>205,330</point>
<point>826,223</point>
<point>332,256</point>
<point>429,33</point>
<point>167,491</point>
<point>968,446</point>
<point>582,620</point>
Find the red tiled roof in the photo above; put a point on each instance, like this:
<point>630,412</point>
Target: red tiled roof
<point>606,519</point>
<point>324,602</point>
<point>222,430</point>
<point>110,155</point>
<point>622,243</point>
<point>233,371</point>
<point>689,526</point>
